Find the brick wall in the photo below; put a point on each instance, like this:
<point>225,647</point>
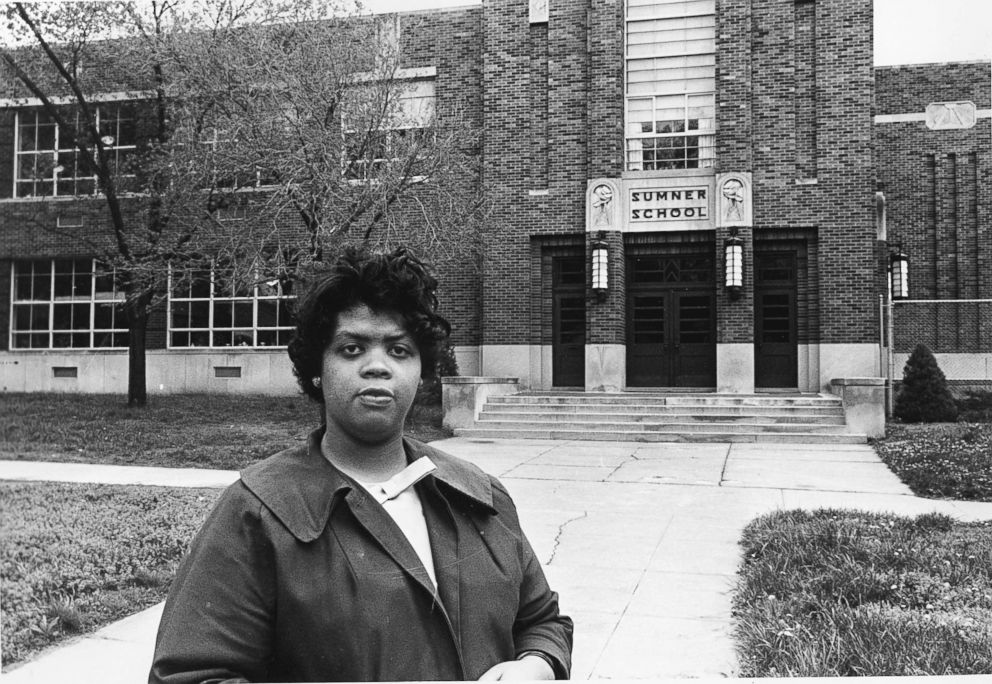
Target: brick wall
<point>939,199</point>
<point>451,41</point>
<point>605,91</point>
<point>526,68</point>
<point>911,87</point>
<point>794,85</point>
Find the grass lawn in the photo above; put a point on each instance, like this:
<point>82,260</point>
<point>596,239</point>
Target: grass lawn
<point>841,593</point>
<point>199,430</point>
<point>75,557</point>
<point>941,460</point>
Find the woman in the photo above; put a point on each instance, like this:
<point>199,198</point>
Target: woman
<point>362,555</point>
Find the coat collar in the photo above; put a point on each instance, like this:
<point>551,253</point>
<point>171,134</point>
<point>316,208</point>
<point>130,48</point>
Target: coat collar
<point>300,487</point>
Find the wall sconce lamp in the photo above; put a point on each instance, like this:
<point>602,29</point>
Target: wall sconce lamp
<point>733,261</point>
<point>600,268</point>
<point>899,274</point>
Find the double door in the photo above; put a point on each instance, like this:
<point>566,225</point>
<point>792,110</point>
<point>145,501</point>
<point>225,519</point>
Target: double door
<point>671,322</point>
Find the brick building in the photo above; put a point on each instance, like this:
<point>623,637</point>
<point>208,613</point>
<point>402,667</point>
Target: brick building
<point>689,194</point>
<point>934,147</point>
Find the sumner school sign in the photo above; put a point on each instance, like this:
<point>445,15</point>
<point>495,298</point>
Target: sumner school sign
<point>669,205</point>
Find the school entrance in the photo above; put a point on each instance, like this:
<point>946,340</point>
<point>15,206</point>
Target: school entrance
<point>568,321</point>
<point>775,320</point>
<point>671,320</point>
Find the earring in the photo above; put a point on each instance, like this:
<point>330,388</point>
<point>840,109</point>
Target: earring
<point>316,381</point>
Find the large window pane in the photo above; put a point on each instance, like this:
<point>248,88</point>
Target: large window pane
<point>44,136</point>
<point>62,317</point>
<point>268,313</point>
<point>225,315</point>
<point>199,315</point>
<point>268,338</point>
<point>646,9</point>
<point>54,302</point>
<point>671,79</point>
<point>103,317</point>
<point>243,314</point>
<point>47,160</point>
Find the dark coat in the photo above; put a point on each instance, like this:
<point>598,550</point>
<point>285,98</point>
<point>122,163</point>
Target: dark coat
<point>299,575</point>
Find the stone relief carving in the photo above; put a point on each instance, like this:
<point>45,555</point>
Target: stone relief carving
<point>734,201</point>
<point>602,200</point>
<point>733,193</point>
<point>943,116</point>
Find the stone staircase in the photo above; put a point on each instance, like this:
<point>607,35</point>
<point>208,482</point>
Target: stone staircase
<point>664,417</point>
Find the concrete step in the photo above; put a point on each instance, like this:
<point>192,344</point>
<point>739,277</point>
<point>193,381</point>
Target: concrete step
<point>492,413</point>
<point>621,436</point>
<point>675,410</point>
<point>656,426</point>
<point>662,416</point>
<point>637,399</point>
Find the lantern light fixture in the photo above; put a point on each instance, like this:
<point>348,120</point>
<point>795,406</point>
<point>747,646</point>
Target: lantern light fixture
<point>733,260</point>
<point>899,274</point>
<point>600,268</point>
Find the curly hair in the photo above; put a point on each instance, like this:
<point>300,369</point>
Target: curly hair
<point>397,281</point>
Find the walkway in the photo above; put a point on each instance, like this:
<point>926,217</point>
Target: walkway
<point>640,541</point>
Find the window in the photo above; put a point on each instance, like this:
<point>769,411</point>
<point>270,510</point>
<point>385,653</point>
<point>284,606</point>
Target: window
<point>228,171</point>
<point>213,308</point>
<point>671,83</point>
<point>66,304</point>
<point>46,164</point>
<point>366,154</point>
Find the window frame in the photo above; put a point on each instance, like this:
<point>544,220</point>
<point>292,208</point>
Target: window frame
<point>402,126</point>
<point>57,150</point>
<point>216,139</point>
<point>54,301</point>
<point>211,301</point>
<point>697,146</point>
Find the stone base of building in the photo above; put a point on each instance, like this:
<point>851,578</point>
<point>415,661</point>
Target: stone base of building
<point>270,372</point>
<point>735,368</point>
<point>605,365</point>
<point>167,372</point>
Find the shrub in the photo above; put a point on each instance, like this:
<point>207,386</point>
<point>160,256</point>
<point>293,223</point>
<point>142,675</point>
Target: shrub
<point>447,366</point>
<point>924,396</point>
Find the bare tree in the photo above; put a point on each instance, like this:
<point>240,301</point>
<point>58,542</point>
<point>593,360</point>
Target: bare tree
<point>68,57</point>
<point>301,111</point>
<point>347,144</point>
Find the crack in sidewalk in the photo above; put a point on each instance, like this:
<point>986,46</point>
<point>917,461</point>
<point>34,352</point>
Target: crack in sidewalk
<point>561,530</point>
<point>723,470</point>
<point>621,464</point>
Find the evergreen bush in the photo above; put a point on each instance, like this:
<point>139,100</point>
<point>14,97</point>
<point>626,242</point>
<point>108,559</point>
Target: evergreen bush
<point>447,366</point>
<point>924,396</point>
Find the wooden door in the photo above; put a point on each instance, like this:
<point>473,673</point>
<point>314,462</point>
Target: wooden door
<point>568,322</point>
<point>671,321</point>
<point>776,339</point>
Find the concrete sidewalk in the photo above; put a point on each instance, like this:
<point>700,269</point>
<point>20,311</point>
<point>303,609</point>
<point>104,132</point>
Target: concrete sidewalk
<point>640,541</point>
